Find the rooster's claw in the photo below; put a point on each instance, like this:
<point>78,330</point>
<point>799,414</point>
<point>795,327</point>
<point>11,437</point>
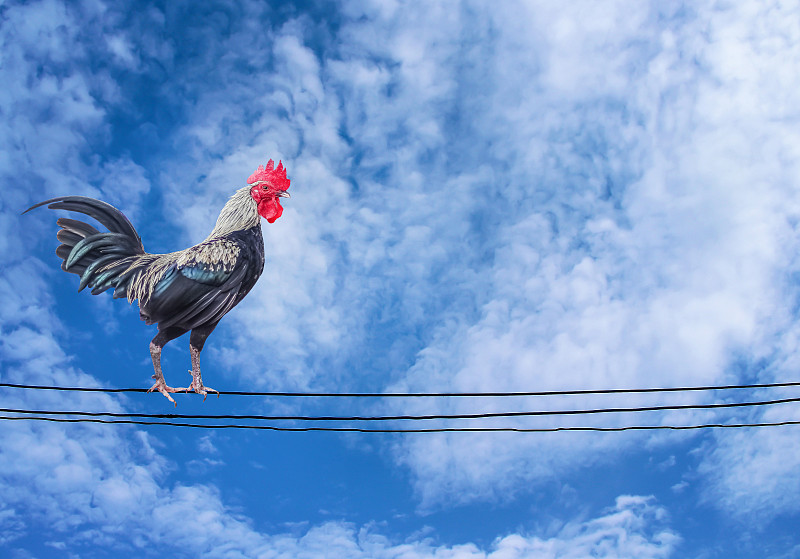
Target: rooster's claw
<point>197,387</point>
<point>162,387</point>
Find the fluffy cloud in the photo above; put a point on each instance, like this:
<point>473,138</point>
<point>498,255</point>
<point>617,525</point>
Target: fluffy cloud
<point>753,475</point>
<point>645,238</point>
<point>127,511</point>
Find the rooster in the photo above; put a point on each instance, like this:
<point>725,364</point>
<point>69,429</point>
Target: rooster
<point>184,291</point>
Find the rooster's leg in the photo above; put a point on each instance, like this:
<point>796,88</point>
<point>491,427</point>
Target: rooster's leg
<point>156,344</point>
<point>196,343</point>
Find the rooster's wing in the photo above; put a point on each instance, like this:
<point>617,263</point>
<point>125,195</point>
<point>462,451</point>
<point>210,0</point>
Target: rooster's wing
<point>202,284</point>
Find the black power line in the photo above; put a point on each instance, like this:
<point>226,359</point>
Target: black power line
<point>431,430</point>
<point>430,394</point>
<point>488,415</point>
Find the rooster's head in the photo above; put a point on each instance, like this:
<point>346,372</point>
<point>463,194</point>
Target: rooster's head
<point>267,185</point>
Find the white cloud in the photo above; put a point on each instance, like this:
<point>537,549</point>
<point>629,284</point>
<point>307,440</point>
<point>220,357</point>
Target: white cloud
<point>132,514</point>
<point>752,474</point>
<point>647,205</point>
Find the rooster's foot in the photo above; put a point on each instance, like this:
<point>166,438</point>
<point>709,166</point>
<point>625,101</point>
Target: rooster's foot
<point>197,386</point>
<point>162,387</point>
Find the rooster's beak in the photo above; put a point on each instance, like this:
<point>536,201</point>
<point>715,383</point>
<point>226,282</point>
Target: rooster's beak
<point>282,194</point>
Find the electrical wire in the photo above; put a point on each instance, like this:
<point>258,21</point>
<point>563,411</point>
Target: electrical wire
<point>489,415</point>
<point>142,418</point>
<point>429,394</point>
<point>429,430</point>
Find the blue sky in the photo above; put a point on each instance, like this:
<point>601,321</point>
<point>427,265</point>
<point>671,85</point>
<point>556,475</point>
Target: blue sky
<point>485,197</point>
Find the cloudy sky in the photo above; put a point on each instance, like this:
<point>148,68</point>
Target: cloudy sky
<point>486,196</point>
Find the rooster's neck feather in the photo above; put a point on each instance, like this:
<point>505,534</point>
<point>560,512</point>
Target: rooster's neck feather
<point>241,212</point>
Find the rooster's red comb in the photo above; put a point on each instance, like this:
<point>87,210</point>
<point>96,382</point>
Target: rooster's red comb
<point>271,175</point>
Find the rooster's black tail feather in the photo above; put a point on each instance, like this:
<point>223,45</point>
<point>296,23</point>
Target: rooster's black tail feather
<point>99,258</point>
